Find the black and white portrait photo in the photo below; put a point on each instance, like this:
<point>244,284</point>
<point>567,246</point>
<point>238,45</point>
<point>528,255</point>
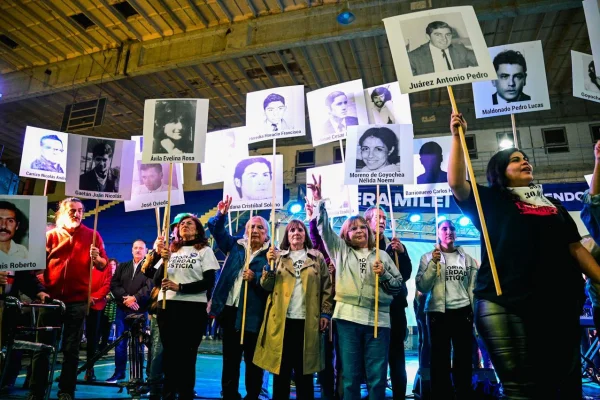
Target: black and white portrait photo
<point>438,48</point>
<point>430,158</point>
<point>221,148</point>
<point>591,8</point>
<point>249,182</point>
<point>150,183</point>
<point>100,168</point>
<point>340,199</point>
<point>586,78</point>
<point>275,113</point>
<point>386,105</point>
<point>521,85</point>
<point>44,154</point>
<point>383,153</point>
<point>333,109</point>
<point>22,232</point>
<point>175,130</point>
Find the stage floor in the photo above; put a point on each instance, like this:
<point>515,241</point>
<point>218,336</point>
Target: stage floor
<point>208,378</point>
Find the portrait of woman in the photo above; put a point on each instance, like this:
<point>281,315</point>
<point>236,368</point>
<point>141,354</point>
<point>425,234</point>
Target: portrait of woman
<point>378,151</point>
<point>174,123</point>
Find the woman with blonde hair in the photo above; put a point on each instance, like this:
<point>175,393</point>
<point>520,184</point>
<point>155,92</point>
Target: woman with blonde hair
<point>298,311</point>
<point>356,266</point>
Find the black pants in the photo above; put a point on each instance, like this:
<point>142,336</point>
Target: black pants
<point>104,331</point>
<point>71,339</point>
<point>330,377</point>
<point>92,330</point>
<point>397,359</point>
<point>181,325</point>
<point>292,359</point>
<point>451,330</point>
<point>232,358</point>
<point>532,364</point>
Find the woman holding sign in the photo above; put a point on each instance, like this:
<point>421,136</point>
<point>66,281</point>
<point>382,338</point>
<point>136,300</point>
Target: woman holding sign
<point>448,275</point>
<point>356,266</point>
<point>290,337</point>
<point>191,275</point>
<point>536,247</point>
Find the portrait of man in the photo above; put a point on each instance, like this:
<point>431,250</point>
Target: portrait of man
<point>13,225</point>
<point>382,107</point>
<point>511,68</point>
<point>102,177</point>
<point>252,178</point>
<point>174,123</point>
<point>439,53</point>
<point>431,157</point>
<point>51,155</point>
<point>275,108</point>
<point>151,179</point>
<point>337,107</point>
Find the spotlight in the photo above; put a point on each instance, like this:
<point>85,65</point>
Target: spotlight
<point>345,17</point>
<point>441,218</point>
<point>414,218</point>
<point>464,221</point>
<point>295,208</point>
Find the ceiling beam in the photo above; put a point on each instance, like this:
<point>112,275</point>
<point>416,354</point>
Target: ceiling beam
<point>63,17</point>
<point>25,47</point>
<point>96,21</point>
<point>284,63</point>
<point>247,38</point>
<point>196,11</point>
<point>111,10</point>
<point>258,59</point>
<point>208,83</point>
<point>145,16</point>
<point>173,16</point>
<point>243,72</point>
<point>231,84</point>
<point>311,66</point>
<point>22,28</point>
<point>225,10</point>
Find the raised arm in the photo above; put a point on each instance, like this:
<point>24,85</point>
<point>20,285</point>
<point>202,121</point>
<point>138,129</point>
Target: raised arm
<point>333,242</point>
<point>595,185</point>
<point>457,171</point>
<point>216,226</point>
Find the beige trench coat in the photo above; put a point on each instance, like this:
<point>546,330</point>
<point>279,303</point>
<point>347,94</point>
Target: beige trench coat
<point>316,287</point>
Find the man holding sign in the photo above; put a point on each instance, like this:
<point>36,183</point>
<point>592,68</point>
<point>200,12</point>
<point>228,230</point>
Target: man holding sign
<point>69,248</point>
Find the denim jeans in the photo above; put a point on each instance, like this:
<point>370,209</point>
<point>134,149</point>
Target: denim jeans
<point>155,364</point>
<point>361,351</point>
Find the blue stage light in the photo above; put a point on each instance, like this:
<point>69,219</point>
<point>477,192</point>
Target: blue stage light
<point>295,208</point>
<point>441,218</point>
<point>346,17</point>
<point>464,221</point>
<point>414,218</point>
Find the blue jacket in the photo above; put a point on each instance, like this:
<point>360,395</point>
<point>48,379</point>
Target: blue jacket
<point>235,248</point>
<point>590,214</point>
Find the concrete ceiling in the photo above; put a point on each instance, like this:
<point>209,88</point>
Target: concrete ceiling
<point>56,52</point>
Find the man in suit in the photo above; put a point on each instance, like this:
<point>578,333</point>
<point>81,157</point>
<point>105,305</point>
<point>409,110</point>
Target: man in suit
<point>102,178</point>
<point>511,68</point>
<point>440,54</point>
<point>337,106</point>
<point>131,290</point>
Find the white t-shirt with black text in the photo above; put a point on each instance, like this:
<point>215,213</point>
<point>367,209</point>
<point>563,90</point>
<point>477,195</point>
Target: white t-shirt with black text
<point>297,308</point>
<point>456,274</point>
<point>188,265</point>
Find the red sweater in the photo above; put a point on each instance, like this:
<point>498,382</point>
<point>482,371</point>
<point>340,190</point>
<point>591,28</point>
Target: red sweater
<point>100,287</point>
<point>67,272</point>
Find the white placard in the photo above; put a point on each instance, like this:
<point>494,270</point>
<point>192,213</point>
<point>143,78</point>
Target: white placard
<point>591,8</point>
<point>333,109</point>
<point>248,182</point>
<point>150,183</point>
<point>430,157</point>
<point>175,130</point>
<point>521,85</point>
<point>588,179</point>
<point>379,154</point>
<point>438,48</point>
<point>23,245</point>
<point>586,82</point>
<point>221,148</point>
<point>100,168</point>
<point>342,199</point>
<point>44,154</point>
<point>386,105</point>
<point>275,113</point>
